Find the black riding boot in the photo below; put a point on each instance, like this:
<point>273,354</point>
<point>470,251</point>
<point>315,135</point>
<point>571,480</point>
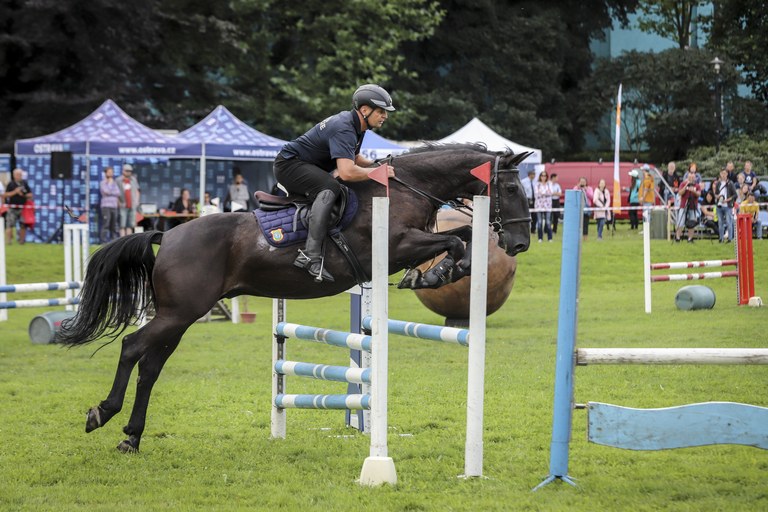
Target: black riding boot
<point>311,258</point>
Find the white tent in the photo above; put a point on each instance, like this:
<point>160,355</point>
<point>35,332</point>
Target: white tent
<point>478,131</point>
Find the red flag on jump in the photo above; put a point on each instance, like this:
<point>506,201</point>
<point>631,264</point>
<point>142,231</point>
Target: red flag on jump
<point>380,175</point>
<point>483,173</point>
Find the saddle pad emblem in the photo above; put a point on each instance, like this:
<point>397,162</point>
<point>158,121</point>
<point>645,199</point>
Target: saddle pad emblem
<point>277,235</point>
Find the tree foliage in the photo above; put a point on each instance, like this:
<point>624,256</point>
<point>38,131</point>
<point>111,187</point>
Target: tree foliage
<point>668,102</point>
<point>740,30</point>
<point>670,19</point>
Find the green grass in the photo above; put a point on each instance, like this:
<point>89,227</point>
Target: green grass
<point>207,446</point>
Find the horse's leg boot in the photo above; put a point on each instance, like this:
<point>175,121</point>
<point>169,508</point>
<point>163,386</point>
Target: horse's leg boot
<point>311,258</point>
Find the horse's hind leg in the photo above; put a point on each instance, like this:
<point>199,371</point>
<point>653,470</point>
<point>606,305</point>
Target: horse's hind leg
<point>129,356</point>
<point>160,343</point>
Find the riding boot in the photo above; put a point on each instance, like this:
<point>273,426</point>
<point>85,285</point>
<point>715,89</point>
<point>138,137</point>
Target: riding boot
<point>311,258</point>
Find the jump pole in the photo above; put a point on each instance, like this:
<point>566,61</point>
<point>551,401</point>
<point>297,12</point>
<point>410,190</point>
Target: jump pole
<point>3,296</point>
<point>566,339</point>
<point>378,467</point>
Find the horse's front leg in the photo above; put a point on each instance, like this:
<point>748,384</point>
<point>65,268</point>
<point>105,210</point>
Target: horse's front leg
<point>420,246</point>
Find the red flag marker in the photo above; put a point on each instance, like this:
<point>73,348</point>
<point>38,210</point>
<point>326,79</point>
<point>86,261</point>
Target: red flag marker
<point>483,173</point>
<point>381,175</point>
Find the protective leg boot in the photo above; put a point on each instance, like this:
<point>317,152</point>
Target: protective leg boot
<point>311,258</point>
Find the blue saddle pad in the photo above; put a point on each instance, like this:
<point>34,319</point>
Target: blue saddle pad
<point>287,226</point>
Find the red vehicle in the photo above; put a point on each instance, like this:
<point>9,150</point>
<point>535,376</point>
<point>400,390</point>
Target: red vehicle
<point>568,174</point>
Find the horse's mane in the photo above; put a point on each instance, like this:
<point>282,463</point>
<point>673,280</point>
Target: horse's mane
<point>432,147</point>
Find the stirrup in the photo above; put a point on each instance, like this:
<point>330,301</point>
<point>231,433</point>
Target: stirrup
<point>314,266</point>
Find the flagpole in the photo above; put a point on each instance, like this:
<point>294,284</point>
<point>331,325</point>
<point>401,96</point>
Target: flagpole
<point>617,146</point>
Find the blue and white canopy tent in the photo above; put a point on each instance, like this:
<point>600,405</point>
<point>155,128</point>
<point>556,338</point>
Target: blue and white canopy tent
<point>106,137</point>
<point>222,136</point>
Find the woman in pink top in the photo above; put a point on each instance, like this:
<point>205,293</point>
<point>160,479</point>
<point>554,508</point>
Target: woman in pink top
<point>544,206</point>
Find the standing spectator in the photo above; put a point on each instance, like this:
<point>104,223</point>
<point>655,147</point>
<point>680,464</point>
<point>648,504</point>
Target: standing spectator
<point>725,197</point>
<point>750,207</point>
<point>108,204</point>
<point>647,193</point>
<point>544,205</point>
<point>16,195</point>
<point>750,178</point>
<point>671,181</point>
<point>557,194</point>
<point>528,186</point>
<point>601,199</point>
<point>237,195</point>
<point>688,216</point>
<point>731,171</point>
<point>588,193</point>
<point>130,195</point>
<point>693,170</point>
<point>634,198</point>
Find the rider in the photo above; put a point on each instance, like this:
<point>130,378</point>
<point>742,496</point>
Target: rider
<point>309,164</point>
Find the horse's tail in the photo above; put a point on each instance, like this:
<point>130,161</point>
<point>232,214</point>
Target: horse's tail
<point>117,288</point>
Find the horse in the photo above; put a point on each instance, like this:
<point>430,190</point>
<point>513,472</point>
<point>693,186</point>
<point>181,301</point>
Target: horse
<point>226,255</point>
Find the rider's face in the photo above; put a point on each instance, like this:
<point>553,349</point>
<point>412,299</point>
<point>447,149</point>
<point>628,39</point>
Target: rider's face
<point>377,117</point>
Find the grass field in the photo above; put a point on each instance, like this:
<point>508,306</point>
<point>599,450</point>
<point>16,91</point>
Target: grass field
<point>207,446</point>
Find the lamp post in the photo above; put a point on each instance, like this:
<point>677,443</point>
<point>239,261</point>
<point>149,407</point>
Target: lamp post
<point>716,64</point>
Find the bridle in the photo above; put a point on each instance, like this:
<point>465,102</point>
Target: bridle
<point>498,222</point>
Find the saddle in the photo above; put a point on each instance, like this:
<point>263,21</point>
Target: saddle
<point>284,220</point>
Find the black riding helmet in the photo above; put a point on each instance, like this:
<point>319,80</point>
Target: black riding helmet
<point>373,96</point>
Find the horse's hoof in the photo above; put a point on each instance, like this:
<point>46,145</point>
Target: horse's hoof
<point>410,279</point>
<point>127,447</point>
<point>93,419</point>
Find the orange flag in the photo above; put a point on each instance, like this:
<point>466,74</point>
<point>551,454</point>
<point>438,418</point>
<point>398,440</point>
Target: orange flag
<point>380,175</point>
<point>483,173</point>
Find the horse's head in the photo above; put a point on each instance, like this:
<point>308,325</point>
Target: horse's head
<point>510,217</point>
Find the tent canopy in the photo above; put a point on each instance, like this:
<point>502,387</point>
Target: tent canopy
<point>227,137</point>
<point>375,146</point>
<point>107,131</point>
<point>477,131</point>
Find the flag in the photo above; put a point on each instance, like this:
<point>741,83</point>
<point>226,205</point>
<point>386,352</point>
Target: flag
<point>483,173</point>
<point>380,175</point>
<point>617,145</point>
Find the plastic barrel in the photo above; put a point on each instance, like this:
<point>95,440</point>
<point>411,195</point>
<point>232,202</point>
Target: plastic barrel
<point>43,327</point>
<point>695,297</point>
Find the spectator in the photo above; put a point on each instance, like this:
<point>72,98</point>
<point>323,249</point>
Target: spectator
<point>750,178</point>
<point>647,193</point>
<point>601,199</point>
<point>130,195</point>
<point>709,211</point>
<point>557,194</point>
<point>669,184</point>
<point>731,169</point>
<point>108,205</point>
<point>688,216</point>
<point>634,198</point>
<point>184,206</point>
<point>528,186</point>
<point>16,195</point>
<point>588,193</point>
<point>693,170</point>
<point>750,207</point>
<point>741,194</point>
<point>725,196</point>
<point>237,195</point>
<point>544,205</point>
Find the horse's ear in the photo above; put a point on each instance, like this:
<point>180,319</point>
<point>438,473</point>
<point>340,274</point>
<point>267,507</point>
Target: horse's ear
<point>516,159</point>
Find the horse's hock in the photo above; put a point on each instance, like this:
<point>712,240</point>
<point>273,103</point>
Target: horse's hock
<point>452,300</point>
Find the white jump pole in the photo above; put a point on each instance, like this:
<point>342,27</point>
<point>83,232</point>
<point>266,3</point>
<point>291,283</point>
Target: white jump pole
<point>587,356</point>
<point>378,467</point>
<point>473,450</point>
<point>76,252</point>
<point>647,261</point>
<point>3,296</point>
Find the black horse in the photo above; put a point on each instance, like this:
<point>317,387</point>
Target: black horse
<point>226,255</point>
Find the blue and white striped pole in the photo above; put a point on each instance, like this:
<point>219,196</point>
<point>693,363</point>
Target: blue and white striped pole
<point>566,339</point>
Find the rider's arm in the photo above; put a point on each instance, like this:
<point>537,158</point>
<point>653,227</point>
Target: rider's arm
<point>348,170</point>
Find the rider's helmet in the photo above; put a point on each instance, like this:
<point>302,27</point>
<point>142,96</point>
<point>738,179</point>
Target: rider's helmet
<point>373,96</point>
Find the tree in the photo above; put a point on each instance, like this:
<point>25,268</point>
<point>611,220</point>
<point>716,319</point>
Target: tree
<point>668,100</point>
<point>671,19</point>
<point>740,32</point>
